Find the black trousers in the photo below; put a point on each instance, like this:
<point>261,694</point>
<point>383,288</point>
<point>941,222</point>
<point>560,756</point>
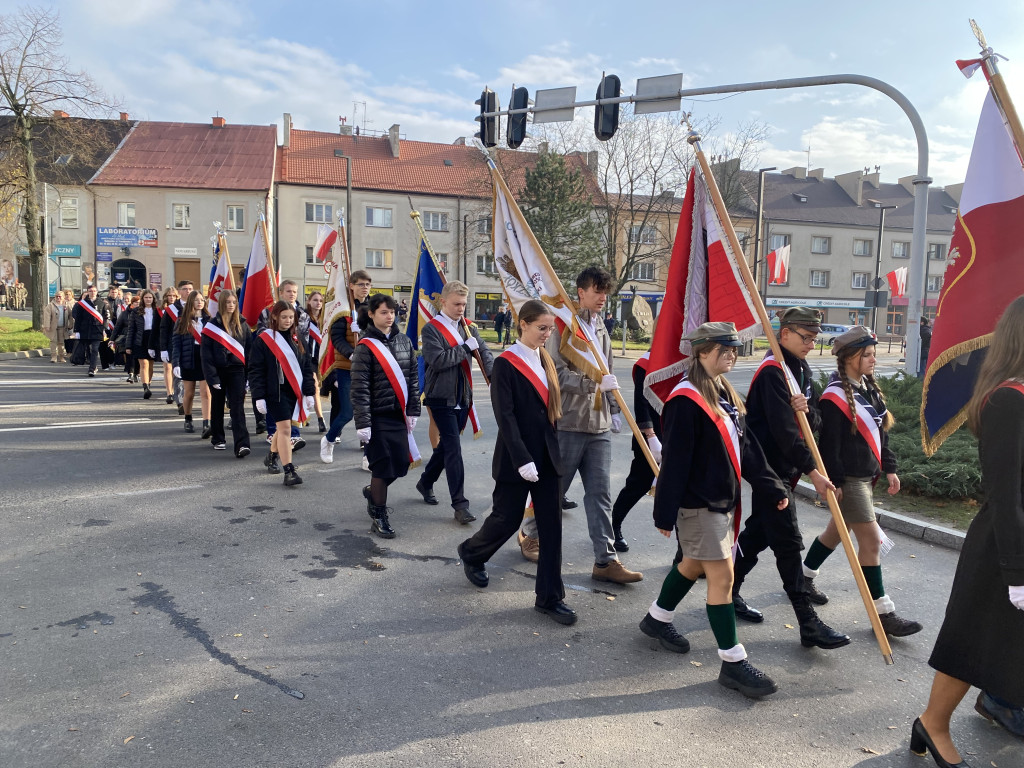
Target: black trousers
<point>232,390</point>
<point>508,505</point>
<point>767,527</point>
<point>447,457</point>
<point>638,483</point>
<point>92,352</point>
<point>106,355</point>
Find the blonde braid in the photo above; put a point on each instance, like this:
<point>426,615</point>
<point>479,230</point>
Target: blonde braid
<point>848,389</point>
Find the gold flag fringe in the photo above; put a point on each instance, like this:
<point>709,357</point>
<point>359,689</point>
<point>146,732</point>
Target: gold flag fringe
<point>931,443</point>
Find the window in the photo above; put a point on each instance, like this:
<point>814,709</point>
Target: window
<point>181,216</point>
<point>778,241</point>
<point>483,226</point>
<point>69,212</point>
<point>901,250</point>
<point>322,213</point>
<point>894,320</point>
<point>937,251</point>
<point>378,217</point>
<point>819,278</point>
<point>862,247</point>
<point>442,262</point>
<point>310,258</point>
<point>378,259</point>
<point>236,218</point>
<point>485,264</point>
<point>432,221</point>
<point>821,245</point>
<point>934,283</point>
<point>126,214</point>
<point>644,271</point>
<point>644,234</point>
<point>860,280</point>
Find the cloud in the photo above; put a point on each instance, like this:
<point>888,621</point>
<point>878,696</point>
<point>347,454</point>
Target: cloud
<point>463,74</point>
<point>538,70</point>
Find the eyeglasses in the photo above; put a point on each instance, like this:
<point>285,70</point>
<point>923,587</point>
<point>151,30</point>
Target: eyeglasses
<point>810,339</point>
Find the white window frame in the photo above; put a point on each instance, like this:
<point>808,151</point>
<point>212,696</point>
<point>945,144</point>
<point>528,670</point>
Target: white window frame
<point>903,247</point>
<point>934,248</point>
<point>856,284</point>
<point>126,214</point>
<point>778,241</point>
<point>181,216</point>
<point>869,250</point>
<point>69,213</point>
<point>644,272</point>
<point>485,264</point>
<point>234,225</point>
<point>442,262</point>
<point>811,281</point>
<point>484,225</point>
<point>383,255</point>
<point>319,213</point>
<point>435,221</point>
<point>819,240</point>
<point>310,258</point>
<point>385,218</point>
<point>644,234</point>
<point>934,283</point>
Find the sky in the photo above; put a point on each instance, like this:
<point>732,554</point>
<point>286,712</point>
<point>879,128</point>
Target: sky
<point>422,65</point>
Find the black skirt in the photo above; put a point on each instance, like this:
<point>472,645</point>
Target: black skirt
<point>388,451</point>
<point>192,374</point>
<point>283,409</point>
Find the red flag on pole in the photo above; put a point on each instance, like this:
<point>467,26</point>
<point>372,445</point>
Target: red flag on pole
<point>778,266</point>
<point>898,282</point>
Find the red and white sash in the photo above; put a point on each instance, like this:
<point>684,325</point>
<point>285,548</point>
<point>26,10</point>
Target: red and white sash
<point>315,333</point>
<point>531,375</point>
<point>285,354</point>
<point>95,313</point>
<point>643,362</point>
<point>226,340</point>
<point>770,362</point>
<point>173,310</point>
<point>864,420</point>
<point>160,311</point>
<point>726,429</point>
<point>196,337</point>
<point>467,368</point>
<point>395,376</point>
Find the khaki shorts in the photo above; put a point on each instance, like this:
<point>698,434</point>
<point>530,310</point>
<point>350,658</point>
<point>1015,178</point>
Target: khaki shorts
<point>705,535</point>
<point>858,503</point>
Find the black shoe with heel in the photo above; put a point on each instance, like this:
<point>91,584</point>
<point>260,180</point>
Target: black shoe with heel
<point>620,542</point>
<point>921,743</point>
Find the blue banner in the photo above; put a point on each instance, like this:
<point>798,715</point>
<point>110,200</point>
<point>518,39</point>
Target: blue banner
<point>426,297</point>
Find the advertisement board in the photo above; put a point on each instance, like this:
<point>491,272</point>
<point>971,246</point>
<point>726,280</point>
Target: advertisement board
<point>126,237</point>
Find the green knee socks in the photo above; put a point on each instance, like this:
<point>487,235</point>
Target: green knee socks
<point>673,590</point>
<point>817,554</point>
<point>723,624</point>
<point>873,576</point>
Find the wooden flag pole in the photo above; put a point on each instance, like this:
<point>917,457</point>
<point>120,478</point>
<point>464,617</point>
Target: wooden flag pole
<point>270,256</point>
<point>346,268</point>
<point>1000,92</point>
<point>805,427</point>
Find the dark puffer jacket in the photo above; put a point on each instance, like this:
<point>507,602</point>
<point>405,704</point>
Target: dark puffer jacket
<point>371,389</point>
<point>185,351</point>
<point>266,377</point>
<point>137,328</point>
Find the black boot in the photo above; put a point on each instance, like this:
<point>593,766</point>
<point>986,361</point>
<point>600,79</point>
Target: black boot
<point>814,594</point>
<point>320,424</point>
<point>369,500</point>
<point>273,463</point>
<point>620,543</point>
<point>291,477</point>
<point>380,525</point>
<point>207,429</point>
<point>188,423</point>
<point>146,393</point>
<point>813,631</point>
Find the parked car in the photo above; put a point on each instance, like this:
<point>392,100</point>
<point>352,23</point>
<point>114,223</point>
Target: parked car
<point>830,331</point>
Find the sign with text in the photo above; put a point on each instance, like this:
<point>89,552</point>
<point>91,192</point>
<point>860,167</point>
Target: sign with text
<point>126,237</point>
<point>67,250</point>
<point>186,251</point>
<point>156,281</point>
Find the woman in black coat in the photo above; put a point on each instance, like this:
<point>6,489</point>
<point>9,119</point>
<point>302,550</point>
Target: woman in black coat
<point>527,461</point>
<point>169,298</point>
<point>185,358</point>
<point>384,416</point>
<point>981,641</point>
<point>224,349</point>
<point>276,388</point>
<point>144,338</point>
<point>121,329</point>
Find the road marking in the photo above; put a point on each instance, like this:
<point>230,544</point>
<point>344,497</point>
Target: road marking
<point>48,405</point>
<point>154,490</point>
<point>79,424</point>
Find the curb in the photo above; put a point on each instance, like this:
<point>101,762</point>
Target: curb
<point>908,526</point>
<point>24,353</point>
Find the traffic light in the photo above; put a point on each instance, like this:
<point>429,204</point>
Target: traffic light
<point>515,132</point>
<point>606,116</point>
<point>488,133</point>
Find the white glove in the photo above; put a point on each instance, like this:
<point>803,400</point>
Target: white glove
<point>76,335</point>
<point>165,357</point>
<point>261,406</point>
<point>216,386</point>
<point>616,423</point>
<point>308,405</point>
<point>410,422</point>
<point>152,352</point>
<point>529,472</point>
<point>364,434</point>
<point>608,382</point>
<point>655,445</point>
<point>1017,596</point>
<point>473,344</point>
<point>177,372</point>
<point>355,327</point>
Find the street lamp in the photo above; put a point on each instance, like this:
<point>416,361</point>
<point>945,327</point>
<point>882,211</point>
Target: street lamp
<point>878,262</point>
<point>759,224</point>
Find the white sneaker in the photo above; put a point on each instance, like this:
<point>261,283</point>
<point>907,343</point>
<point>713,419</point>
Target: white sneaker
<point>366,463</point>
<point>326,451</point>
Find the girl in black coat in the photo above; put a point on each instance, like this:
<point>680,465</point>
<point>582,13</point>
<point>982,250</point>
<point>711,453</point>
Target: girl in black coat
<point>981,641</point>
<point>186,361</point>
<point>315,310</point>
<point>144,338</point>
<point>121,329</point>
<point>276,387</point>
<point>225,338</point>
<point>384,416</point>
<point>169,297</point>
<point>527,461</point>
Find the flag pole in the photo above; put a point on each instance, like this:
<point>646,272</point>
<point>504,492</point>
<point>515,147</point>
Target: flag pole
<point>805,428</point>
<point>415,216</point>
<point>598,355</point>
<point>270,256</point>
<point>346,266</point>
<point>1000,92</point>
<point>225,255</point>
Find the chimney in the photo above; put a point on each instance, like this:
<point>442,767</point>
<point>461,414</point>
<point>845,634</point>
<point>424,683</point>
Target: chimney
<point>59,113</point>
<point>954,191</point>
<point>219,122</point>
<point>817,173</point>
<point>797,172</point>
<point>124,117</point>
<point>460,142</point>
<point>907,182</point>
<point>393,140</point>
<point>872,179</point>
<point>346,130</point>
<point>286,125</point>
<point>592,160</point>
<point>851,184</point>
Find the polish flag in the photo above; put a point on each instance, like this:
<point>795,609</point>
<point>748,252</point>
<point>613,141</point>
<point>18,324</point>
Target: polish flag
<point>778,266</point>
<point>326,237</point>
<point>898,282</point>
<point>223,279</point>
<point>257,289</point>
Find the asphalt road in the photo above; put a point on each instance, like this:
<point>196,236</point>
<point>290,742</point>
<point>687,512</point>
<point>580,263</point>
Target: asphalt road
<point>162,604</point>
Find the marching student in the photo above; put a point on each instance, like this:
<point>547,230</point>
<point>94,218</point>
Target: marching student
<point>169,297</point>
<point>224,349</point>
<point>288,292</point>
<point>855,448</point>
<point>90,326</point>
<point>527,461</point>
<point>447,346</point>
<point>771,418</point>
<point>121,330</point>
<point>385,403</point>
<point>185,358</point>
<point>143,338</point>
<point>315,310</point>
<point>707,446</point>
<point>281,382</point>
<point>168,323</point>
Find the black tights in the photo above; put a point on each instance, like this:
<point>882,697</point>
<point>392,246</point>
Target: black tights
<point>379,490</point>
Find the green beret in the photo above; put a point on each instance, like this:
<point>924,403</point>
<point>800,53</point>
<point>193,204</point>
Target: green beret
<point>856,337</point>
<point>802,316</point>
<point>715,333</point>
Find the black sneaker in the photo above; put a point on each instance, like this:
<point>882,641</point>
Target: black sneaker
<point>814,594</point>
<point>188,426</point>
<point>242,452</point>
<point>170,399</point>
<point>744,677</point>
<point>261,426</point>
<point>897,626</point>
<point>207,429</point>
<point>298,443</point>
<point>181,409</point>
<point>568,504</point>
<point>219,446</point>
<point>665,633</point>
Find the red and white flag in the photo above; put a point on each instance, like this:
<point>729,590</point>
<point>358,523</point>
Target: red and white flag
<point>257,288</point>
<point>898,282</point>
<point>778,266</point>
<point>704,285</point>
<point>326,237</point>
<point>223,279</point>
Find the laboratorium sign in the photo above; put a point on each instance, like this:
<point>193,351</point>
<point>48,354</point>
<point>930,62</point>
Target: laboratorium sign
<point>126,237</point>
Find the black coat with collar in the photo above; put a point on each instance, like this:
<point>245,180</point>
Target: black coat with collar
<point>371,389</point>
<point>524,432</point>
<point>137,329</point>
<point>88,327</point>
<point>265,373</point>
<point>216,358</point>
<point>167,322</point>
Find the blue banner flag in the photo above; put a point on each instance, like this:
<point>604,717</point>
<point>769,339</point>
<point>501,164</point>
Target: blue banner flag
<point>426,298</point>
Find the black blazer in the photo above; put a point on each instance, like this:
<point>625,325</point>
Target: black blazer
<point>167,322</point>
<point>524,432</point>
<point>265,372</point>
<point>216,358</point>
<point>86,326</point>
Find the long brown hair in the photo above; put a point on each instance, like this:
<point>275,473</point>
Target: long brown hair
<point>142,305</point>
<point>232,322</point>
<point>530,312</point>
<point>274,323</point>
<point>1004,360</point>
<point>316,317</point>
<point>709,387</point>
<point>170,296</point>
<point>184,324</point>
<point>851,356</point>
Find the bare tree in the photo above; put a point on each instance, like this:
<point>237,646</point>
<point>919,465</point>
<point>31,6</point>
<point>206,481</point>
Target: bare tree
<point>38,88</point>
